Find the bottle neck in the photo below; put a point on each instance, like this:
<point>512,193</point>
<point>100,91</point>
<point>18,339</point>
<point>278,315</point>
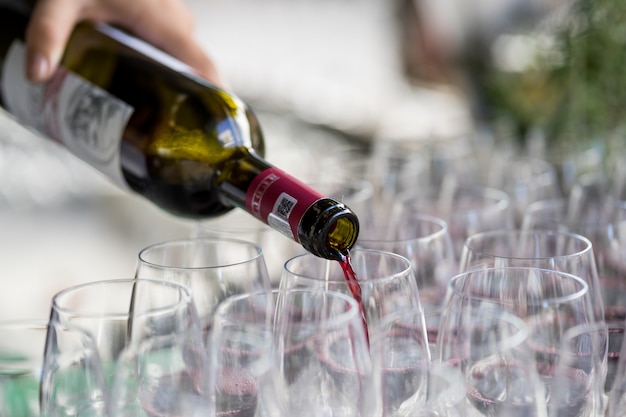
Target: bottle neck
<point>268,193</point>
<point>323,226</point>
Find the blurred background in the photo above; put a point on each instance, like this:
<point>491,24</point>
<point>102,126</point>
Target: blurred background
<point>326,76</point>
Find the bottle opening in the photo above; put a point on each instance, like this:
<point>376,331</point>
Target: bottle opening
<point>342,235</point>
<point>328,229</point>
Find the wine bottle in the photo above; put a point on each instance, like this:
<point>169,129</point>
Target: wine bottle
<point>149,123</point>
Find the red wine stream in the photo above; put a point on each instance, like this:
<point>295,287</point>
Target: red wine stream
<point>355,289</point>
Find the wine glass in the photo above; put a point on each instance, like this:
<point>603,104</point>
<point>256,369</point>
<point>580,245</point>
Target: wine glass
<point>581,363</point>
<point>593,212</point>
<point>324,361</point>
<point>385,286</point>
<point>549,303</point>
<point>358,194</point>
<point>240,225</point>
<point>400,354</point>
<point>467,209</point>
<point>212,267</point>
<point>242,356</point>
<point>126,333</point>
<point>425,241</point>
<point>610,250</point>
<point>498,373</point>
<point>73,378</point>
<point>445,394</point>
<point>548,214</point>
<point>295,352</point>
<point>384,281</point>
<point>549,249</point>
<point>21,361</point>
<point>526,180</point>
<point>382,166</point>
<point>590,206</point>
<point>434,159</point>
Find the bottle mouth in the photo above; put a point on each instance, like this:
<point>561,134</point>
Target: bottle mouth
<point>333,234</point>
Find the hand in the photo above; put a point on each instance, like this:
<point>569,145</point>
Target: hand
<point>166,24</point>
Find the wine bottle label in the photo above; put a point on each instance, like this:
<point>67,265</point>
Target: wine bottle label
<point>280,200</point>
<point>86,119</point>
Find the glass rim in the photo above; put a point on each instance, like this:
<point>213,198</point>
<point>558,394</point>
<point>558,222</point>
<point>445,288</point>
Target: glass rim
<point>581,292</point>
<point>185,298</point>
<point>141,256</point>
<point>434,220</point>
<point>346,316</point>
<point>408,269</point>
<point>554,202</point>
<point>14,324</point>
<point>23,323</point>
<point>501,199</point>
<point>585,328</point>
<point>588,246</point>
<point>560,206</point>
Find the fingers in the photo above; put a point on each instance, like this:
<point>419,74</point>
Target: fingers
<point>167,24</point>
<point>49,28</point>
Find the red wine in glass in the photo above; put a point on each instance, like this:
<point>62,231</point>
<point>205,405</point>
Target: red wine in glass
<point>177,395</point>
<point>503,389</point>
<point>173,395</point>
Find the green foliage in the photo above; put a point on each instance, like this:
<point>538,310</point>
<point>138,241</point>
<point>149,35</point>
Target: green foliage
<point>575,88</point>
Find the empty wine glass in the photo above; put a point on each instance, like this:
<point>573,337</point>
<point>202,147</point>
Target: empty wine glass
<point>72,377</point>
<point>240,225</point>
<point>431,161</point>
<point>21,361</point>
<point>590,206</point>
<point>358,194</point>
<point>526,180</point>
<point>548,249</point>
<point>425,241</point>
<point>549,303</point>
<point>467,209</point>
<point>143,333</point>
<point>383,166</point>
<point>212,267</point>
<point>549,214</point>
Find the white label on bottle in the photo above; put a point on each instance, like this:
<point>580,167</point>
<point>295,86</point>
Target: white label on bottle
<point>85,118</point>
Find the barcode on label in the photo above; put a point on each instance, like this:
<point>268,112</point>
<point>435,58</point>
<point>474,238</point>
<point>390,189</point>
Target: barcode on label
<point>279,217</point>
<point>285,205</point>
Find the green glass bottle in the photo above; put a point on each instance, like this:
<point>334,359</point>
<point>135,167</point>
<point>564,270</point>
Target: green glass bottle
<point>152,125</point>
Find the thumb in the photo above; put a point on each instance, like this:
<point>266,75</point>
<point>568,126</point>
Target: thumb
<point>48,31</point>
